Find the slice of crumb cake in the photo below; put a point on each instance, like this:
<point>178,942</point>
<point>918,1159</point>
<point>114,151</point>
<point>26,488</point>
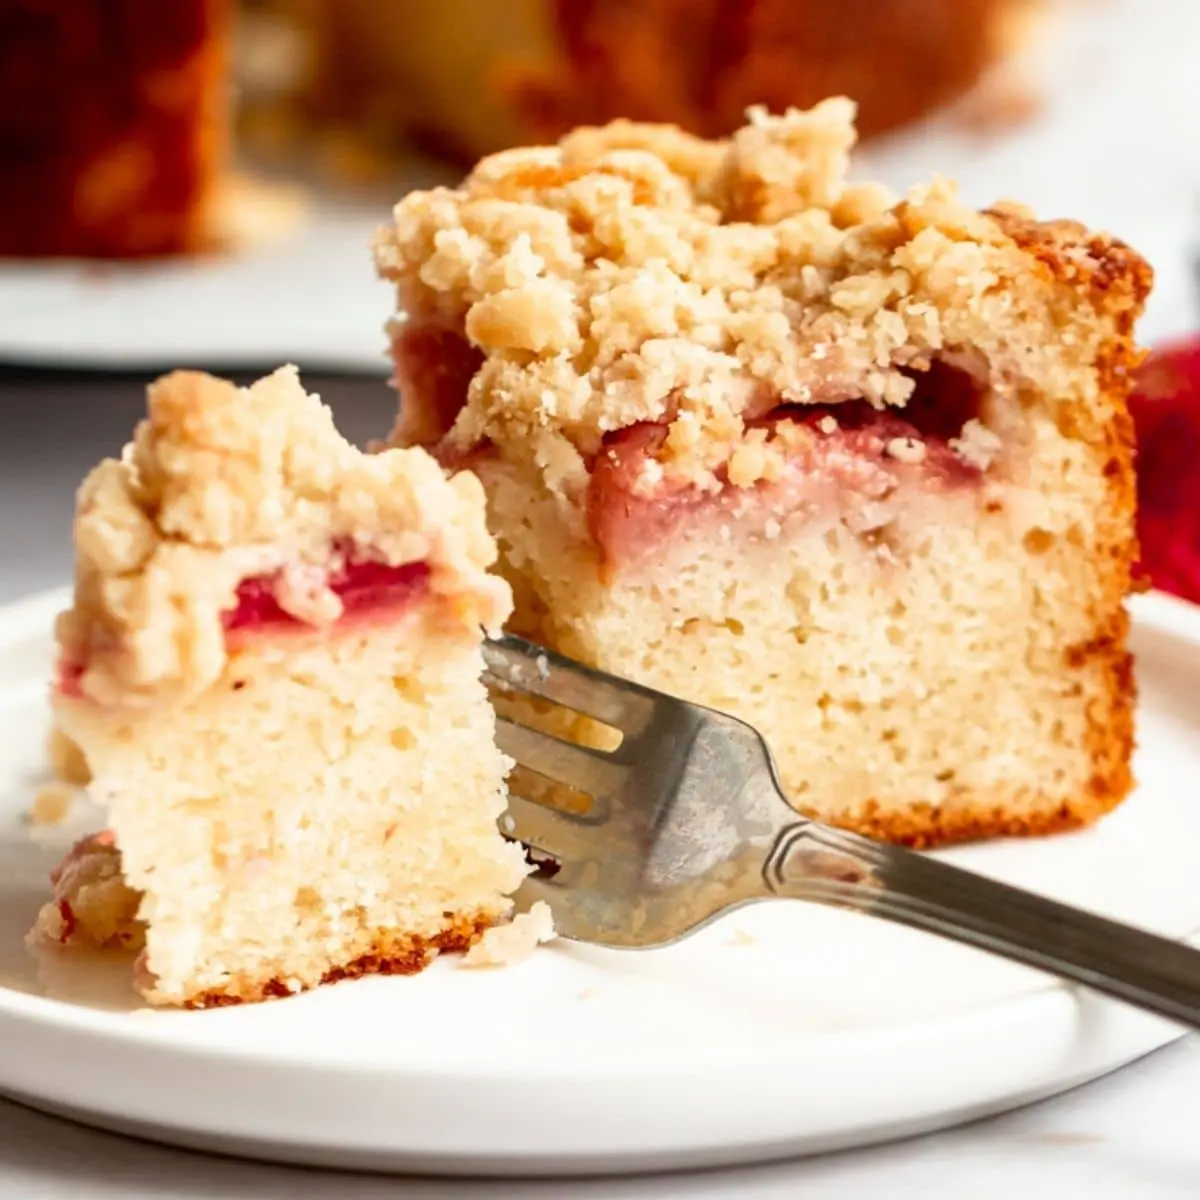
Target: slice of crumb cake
<point>856,470</point>
<point>272,665</point>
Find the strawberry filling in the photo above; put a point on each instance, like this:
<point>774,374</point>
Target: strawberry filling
<point>847,456</point>
<point>69,678</point>
<point>634,505</point>
<point>364,589</point>
<point>269,603</point>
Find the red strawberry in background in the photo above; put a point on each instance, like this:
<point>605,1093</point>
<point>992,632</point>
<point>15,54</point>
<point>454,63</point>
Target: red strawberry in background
<point>1166,412</point>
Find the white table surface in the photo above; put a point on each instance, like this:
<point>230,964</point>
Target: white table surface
<point>1133,1133</point>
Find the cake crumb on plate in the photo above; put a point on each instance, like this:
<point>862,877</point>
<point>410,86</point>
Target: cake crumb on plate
<point>506,945</point>
<point>52,803</point>
<point>66,759</point>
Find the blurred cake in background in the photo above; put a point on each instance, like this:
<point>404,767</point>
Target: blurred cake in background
<point>120,119</point>
<point>467,78</point>
<point>113,126</point>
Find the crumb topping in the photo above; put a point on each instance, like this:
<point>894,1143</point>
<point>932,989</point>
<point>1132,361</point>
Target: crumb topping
<point>220,484</point>
<point>93,905</point>
<point>634,273</point>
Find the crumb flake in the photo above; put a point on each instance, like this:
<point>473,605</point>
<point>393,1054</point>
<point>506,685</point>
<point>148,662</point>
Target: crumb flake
<point>52,803</point>
<point>906,449</point>
<point>93,906</point>
<point>977,445</point>
<point>507,945</point>
<point>66,759</point>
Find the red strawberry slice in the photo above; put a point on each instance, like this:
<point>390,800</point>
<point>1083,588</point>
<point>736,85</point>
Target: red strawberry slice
<point>1166,412</point>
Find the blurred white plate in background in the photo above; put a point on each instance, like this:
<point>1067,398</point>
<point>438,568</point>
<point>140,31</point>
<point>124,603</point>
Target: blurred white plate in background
<point>1113,144</point>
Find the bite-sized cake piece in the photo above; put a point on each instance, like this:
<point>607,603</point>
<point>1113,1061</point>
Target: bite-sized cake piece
<point>93,904</point>
<point>113,126</point>
<point>856,470</point>
<point>272,665</point>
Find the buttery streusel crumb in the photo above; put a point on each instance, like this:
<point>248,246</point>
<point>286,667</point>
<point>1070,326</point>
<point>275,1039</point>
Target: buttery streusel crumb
<point>93,906</point>
<point>220,483</point>
<point>634,273</point>
<point>906,449</point>
<point>976,445</point>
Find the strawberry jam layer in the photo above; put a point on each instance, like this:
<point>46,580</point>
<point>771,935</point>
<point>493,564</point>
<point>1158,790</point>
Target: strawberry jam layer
<point>276,603</point>
<point>848,458</point>
<point>364,589</point>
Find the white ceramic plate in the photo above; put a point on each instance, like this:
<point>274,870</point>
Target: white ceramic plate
<point>783,1029</point>
<point>1119,83</point>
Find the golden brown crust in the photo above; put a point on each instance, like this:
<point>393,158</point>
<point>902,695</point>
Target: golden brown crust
<point>1095,263</point>
<point>1120,280</point>
<point>923,827</point>
<point>391,954</point>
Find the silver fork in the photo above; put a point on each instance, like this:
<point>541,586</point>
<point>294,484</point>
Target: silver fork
<point>685,821</point>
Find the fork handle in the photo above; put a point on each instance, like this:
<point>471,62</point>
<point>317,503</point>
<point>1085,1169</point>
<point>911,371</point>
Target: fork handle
<point>816,863</point>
